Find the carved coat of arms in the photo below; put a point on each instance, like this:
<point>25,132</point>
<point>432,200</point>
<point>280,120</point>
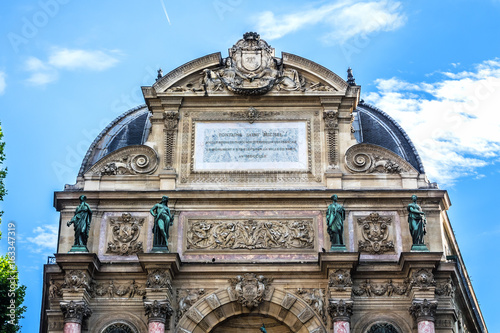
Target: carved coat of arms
<point>250,289</point>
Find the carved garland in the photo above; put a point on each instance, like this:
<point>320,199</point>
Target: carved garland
<point>367,158</point>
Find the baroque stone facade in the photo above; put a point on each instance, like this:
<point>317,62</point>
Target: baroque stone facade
<point>249,148</point>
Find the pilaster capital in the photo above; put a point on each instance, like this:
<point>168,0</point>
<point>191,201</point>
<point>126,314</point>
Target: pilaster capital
<point>75,312</point>
<point>423,309</point>
<point>158,311</point>
<point>340,310</point>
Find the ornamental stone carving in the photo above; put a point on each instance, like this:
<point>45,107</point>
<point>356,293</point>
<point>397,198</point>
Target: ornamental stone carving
<point>54,289</point>
<point>250,289</point>
<point>250,234</point>
<point>330,118</point>
<point>158,279</point>
<point>369,289</point>
<point>185,299</point>
<point>315,297</point>
<point>76,279</point>
<point>375,233</point>
<point>446,288</point>
<point>340,310</point>
<point>110,290</point>
<point>368,158</point>
<point>171,119</point>
<point>125,231</point>
<point>158,311</point>
<point>422,279</point>
<point>75,312</point>
<point>423,309</point>
<point>252,114</point>
<point>131,160</point>
<point>340,279</point>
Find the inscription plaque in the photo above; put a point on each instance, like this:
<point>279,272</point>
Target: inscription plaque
<point>245,146</point>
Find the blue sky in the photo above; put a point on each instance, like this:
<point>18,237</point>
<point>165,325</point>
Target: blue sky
<point>67,68</point>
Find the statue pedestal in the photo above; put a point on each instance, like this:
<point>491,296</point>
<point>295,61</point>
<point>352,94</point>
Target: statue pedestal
<point>160,249</point>
<point>79,248</point>
<point>419,248</point>
<point>338,248</point>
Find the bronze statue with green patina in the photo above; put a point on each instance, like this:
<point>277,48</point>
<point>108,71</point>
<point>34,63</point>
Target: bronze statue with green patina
<point>163,220</point>
<point>417,223</point>
<point>335,216</point>
<point>81,222</point>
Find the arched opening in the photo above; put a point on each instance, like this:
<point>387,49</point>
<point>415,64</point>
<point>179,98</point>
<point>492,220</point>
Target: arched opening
<point>119,327</point>
<point>382,328</point>
<point>250,323</point>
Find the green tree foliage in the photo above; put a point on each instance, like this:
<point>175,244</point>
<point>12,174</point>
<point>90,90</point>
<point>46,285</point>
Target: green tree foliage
<point>11,293</point>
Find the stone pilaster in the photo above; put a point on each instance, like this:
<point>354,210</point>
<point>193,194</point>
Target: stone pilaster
<point>158,313</point>
<point>74,313</point>
<point>424,312</point>
<point>340,311</point>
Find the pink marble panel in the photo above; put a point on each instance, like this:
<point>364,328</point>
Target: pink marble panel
<point>341,327</point>
<point>72,328</point>
<point>156,327</point>
<point>425,326</point>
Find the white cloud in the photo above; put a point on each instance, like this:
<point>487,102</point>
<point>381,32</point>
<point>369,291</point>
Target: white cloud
<point>75,59</point>
<point>453,122</point>
<point>45,239</point>
<point>3,84</point>
<point>346,19</point>
<point>44,72</point>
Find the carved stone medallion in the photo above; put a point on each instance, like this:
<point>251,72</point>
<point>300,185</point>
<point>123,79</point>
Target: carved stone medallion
<point>76,279</point>
<point>158,279</point>
<point>375,233</point>
<point>340,279</point>
<point>422,279</point>
<point>125,231</point>
<point>250,289</point>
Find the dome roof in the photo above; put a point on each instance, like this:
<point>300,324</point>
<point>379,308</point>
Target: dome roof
<point>130,128</point>
<point>374,126</point>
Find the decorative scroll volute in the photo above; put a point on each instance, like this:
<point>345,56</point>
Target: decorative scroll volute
<point>131,160</point>
<point>368,158</point>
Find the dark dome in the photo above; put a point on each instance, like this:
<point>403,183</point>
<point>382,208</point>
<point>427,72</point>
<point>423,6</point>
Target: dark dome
<point>374,126</point>
<point>130,128</point>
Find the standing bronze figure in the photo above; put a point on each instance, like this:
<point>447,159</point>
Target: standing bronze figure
<point>81,222</point>
<point>163,220</point>
<point>335,216</point>
<point>416,221</point>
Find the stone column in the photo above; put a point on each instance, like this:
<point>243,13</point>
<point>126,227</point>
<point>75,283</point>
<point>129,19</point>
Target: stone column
<point>340,311</point>
<point>74,313</point>
<point>158,312</point>
<point>424,312</point>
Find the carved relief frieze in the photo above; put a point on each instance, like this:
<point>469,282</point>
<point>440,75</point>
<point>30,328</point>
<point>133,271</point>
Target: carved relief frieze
<point>445,288</point>
<point>367,158</point>
<point>55,290</point>
<point>315,297</point>
<point>249,289</point>
<point>185,299</point>
<point>340,280</point>
<point>375,232</point>
<point>125,232</point>
<point>369,289</point>
<point>110,290</point>
<point>131,160</point>
<point>250,234</point>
